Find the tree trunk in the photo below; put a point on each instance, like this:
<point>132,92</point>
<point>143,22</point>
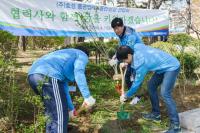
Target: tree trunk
<point>67,41</point>
<point>33,42</point>
<point>74,40</point>
<point>101,38</point>
<point>189,17</point>
<point>17,42</point>
<point>80,39</point>
<point>156,4</point>
<point>22,43</point>
<point>127,3</point>
<point>149,4</point>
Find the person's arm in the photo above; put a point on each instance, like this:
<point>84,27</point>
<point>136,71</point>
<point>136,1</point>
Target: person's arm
<point>80,78</point>
<point>139,77</point>
<point>68,97</point>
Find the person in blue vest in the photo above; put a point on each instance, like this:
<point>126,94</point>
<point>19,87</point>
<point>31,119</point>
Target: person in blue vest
<point>127,36</point>
<point>166,69</point>
<point>50,74</point>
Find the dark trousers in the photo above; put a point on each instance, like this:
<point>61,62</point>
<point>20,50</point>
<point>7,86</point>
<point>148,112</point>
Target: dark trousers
<point>167,81</point>
<point>54,98</point>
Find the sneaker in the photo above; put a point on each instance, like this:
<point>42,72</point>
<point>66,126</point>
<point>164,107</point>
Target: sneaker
<point>174,128</point>
<point>152,117</point>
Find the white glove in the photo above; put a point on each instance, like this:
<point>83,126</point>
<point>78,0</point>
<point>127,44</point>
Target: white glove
<point>135,100</point>
<point>112,62</point>
<point>123,98</point>
<point>89,102</point>
<point>123,64</point>
<point>72,114</point>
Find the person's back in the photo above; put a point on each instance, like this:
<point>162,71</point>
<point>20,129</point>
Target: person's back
<point>58,64</point>
<point>154,59</point>
<point>49,77</point>
<point>166,69</point>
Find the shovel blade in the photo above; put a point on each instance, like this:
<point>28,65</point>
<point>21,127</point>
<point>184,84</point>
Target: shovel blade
<point>123,115</point>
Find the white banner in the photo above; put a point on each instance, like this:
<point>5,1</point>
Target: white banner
<point>66,18</point>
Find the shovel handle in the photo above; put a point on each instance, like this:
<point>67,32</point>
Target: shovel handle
<point>123,79</point>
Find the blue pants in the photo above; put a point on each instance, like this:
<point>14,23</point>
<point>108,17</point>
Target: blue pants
<point>54,98</point>
<point>167,81</point>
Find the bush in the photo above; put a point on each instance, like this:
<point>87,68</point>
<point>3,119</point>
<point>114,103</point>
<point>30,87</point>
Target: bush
<point>45,42</point>
<point>196,44</point>
<point>106,49</point>
<point>10,98</point>
<point>6,38</point>
<point>189,63</point>
<point>180,39</point>
<point>100,80</point>
<point>14,100</point>
<point>165,46</point>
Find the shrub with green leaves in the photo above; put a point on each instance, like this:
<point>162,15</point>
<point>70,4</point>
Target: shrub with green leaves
<point>189,62</point>
<point>180,39</point>
<point>45,42</point>
<point>14,100</point>
<point>9,93</point>
<point>165,46</point>
<point>107,49</point>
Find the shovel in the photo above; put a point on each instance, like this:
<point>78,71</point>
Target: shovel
<point>122,114</point>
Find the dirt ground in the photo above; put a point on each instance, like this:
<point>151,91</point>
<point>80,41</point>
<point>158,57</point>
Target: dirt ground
<point>186,98</point>
<point>189,101</point>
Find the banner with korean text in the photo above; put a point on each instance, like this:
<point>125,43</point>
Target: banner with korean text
<point>67,18</point>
